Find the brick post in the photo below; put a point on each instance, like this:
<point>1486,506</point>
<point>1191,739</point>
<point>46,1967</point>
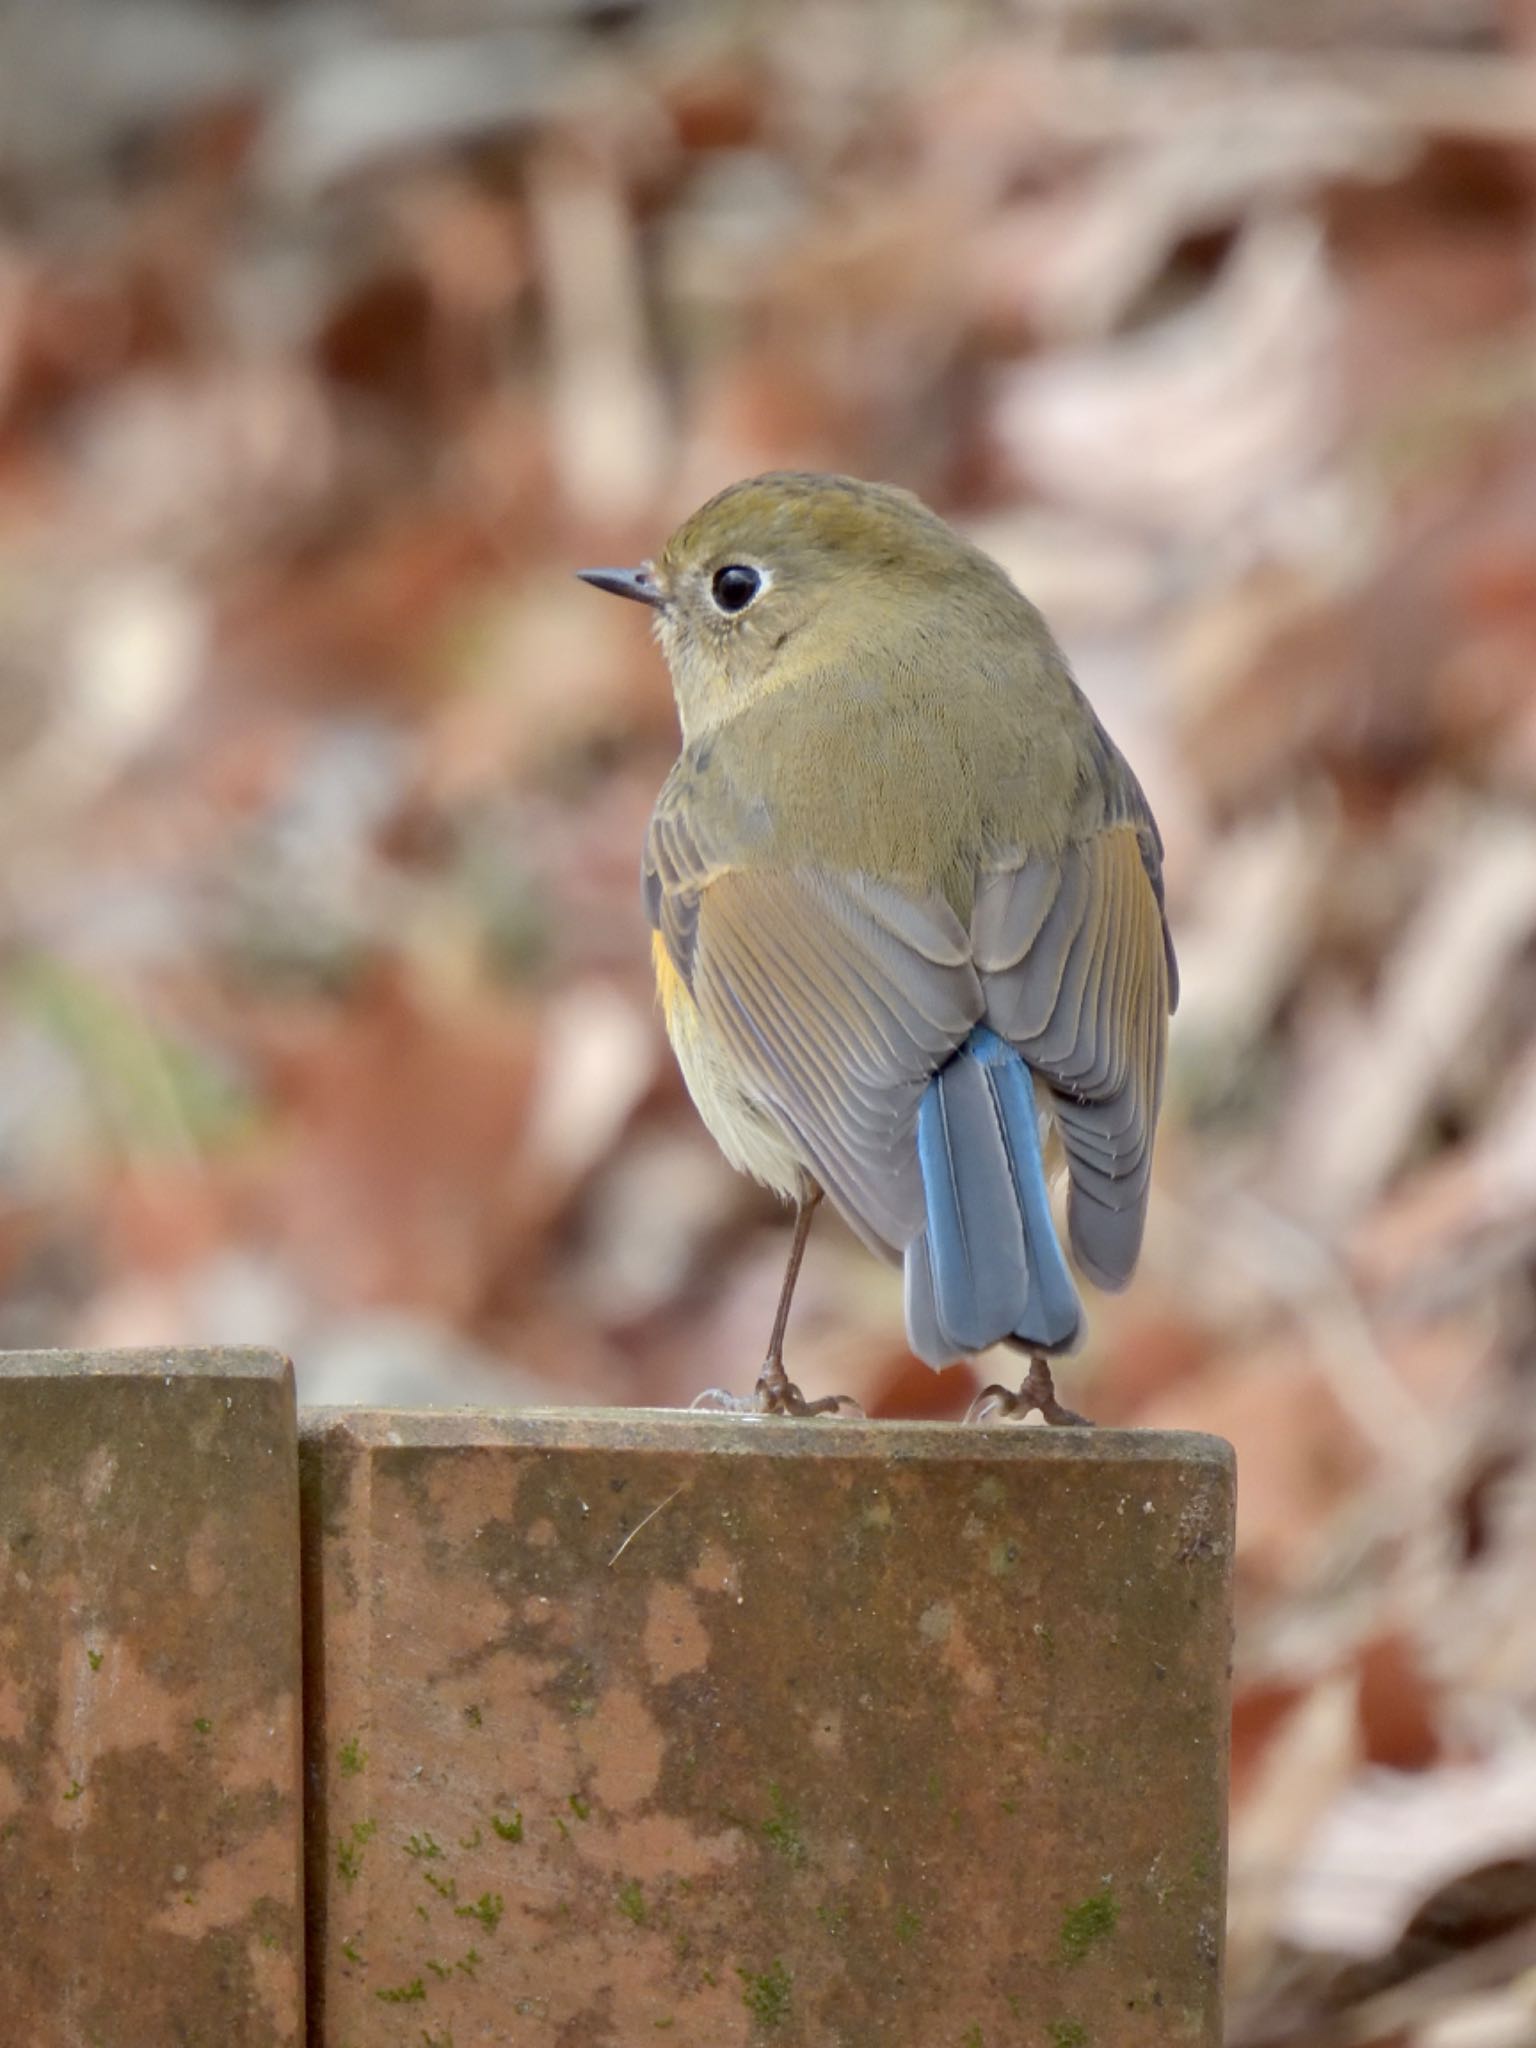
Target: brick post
<point>715,1732</point>
<point>150,1806</point>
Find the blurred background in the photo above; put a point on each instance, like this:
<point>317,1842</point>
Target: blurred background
<point>334,336</point>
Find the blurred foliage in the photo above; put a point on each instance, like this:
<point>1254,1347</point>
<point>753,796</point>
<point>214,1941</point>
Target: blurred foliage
<point>333,337</point>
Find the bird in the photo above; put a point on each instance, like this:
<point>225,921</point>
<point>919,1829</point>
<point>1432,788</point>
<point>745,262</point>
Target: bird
<point>907,915</point>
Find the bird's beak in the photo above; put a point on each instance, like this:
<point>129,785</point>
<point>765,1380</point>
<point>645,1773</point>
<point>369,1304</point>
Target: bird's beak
<point>636,583</point>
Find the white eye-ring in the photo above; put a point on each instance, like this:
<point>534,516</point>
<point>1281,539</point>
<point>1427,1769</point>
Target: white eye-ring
<point>735,586</point>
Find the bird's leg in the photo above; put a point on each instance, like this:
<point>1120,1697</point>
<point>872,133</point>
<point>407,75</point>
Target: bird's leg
<point>773,1374</point>
<point>775,1392</point>
<point>999,1404</point>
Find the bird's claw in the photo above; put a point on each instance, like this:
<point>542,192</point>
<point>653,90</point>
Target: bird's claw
<point>1036,1396</point>
<point>774,1394</point>
<point>777,1394</point>
<point>721,1401</point>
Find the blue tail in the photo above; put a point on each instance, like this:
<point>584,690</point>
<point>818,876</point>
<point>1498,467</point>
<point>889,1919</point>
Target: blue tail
<point>988,1264</point>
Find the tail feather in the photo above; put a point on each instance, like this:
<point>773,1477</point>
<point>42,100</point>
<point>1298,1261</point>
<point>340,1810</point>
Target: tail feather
<point>1054,1317</point>
<point>988,1265</point>
<point>924,1333</point>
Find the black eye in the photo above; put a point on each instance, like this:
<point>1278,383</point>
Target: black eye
<point>735,586</point>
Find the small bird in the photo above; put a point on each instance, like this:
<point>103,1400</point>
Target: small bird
<point>907,916</point>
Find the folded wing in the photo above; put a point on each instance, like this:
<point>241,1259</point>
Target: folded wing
<point>1078,975</point>
<point>840,998</point>
<point>837,997</point>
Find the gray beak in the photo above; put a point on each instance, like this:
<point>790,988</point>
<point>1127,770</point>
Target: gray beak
<point>635,583</point>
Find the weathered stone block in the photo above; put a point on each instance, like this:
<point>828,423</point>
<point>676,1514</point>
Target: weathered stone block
<point>150,1808</point>
<point>721,1732</point>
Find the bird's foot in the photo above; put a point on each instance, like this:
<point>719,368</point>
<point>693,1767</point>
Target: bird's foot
<point>777,1394</point>
<point>774,1394</point>
<point>1037,1395</point>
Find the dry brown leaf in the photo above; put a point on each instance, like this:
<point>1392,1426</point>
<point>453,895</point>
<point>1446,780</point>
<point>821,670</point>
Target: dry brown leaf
<point>1363,1111</point>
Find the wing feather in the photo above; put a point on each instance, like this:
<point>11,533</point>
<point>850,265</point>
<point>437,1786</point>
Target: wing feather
<point>1082,987</point>
<point>837,996</point>
<point>837,1018</point>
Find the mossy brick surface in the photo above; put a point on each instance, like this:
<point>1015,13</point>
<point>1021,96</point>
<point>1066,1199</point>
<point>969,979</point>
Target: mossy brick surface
<point>150,1741</point>
<point>722,1733</point>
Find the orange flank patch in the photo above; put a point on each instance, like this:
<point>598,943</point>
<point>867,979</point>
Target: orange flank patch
<point>670,985</point>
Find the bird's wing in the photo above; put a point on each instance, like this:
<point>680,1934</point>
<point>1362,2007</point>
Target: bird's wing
<point>686,848</point>
<point>835,998</point>
<point>1074,956</point>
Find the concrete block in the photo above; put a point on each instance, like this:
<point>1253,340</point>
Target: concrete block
<point>721,1732</point>
<point>150,1744</point>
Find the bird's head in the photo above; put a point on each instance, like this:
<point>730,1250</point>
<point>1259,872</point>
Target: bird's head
<point>787,576</point>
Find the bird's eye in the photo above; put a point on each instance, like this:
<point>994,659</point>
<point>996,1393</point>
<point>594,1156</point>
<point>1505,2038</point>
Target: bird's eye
<point>735,586</point>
